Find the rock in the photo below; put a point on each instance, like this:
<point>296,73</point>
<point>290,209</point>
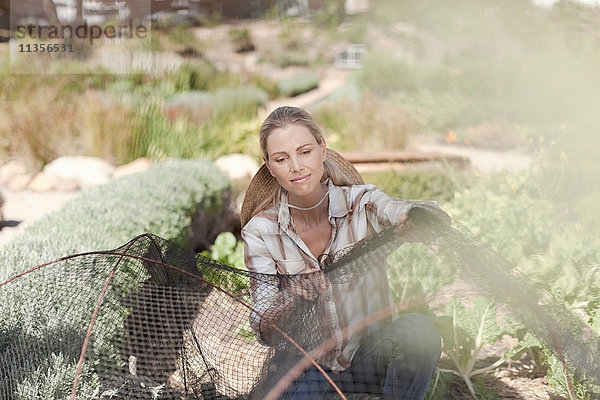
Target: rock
<point>10,170</point>
<point>19,182</point>
<point>237,166</point>
<point>43,183</point>
<point>86,171</point>
<point>67,185</point>
<point>139,165</point>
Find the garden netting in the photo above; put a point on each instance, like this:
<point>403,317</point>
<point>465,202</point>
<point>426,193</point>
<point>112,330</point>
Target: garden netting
<point>153,320</point>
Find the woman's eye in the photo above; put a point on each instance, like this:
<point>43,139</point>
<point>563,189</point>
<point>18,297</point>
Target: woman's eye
<point>280,160</point>
<point>305,152</point>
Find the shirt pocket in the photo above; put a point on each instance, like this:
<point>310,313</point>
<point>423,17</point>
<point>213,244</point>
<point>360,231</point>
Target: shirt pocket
<point>292,267</point>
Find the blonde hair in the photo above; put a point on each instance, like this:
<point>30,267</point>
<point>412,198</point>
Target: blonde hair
<point>280,118</point>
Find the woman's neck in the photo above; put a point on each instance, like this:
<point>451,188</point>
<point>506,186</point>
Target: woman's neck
<point>310,211</point>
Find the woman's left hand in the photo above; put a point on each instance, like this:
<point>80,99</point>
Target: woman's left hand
<point>406,229</point>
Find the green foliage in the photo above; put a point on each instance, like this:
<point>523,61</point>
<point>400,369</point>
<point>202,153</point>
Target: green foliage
<point>197,76</point>
<point>51,380</point>
<point>562,380</point>
<point>464,334</point>
<point>295,85</point>
<point>484,393</point>
<point>229,251</point>
<point>330,14</point>
<point>414,272</point>
<point>415,184</point>
<point>242,40</point>
<point>161,200</point>
<point>439,385</point>
<point>371,123</point>
<point>242,101</point>
<point>383,73</point>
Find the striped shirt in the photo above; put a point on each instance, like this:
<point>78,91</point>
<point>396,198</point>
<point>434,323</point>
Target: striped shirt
<point>272,245</point>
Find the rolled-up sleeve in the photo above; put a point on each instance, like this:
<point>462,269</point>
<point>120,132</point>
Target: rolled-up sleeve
<point>384,210</point>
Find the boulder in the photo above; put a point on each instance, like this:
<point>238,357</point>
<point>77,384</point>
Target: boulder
<point>10,171</point>
<point>86,171</point>
<point>19,182</point>
<point>139,165</point>
<point>43,182</point>
<point>237,166</point>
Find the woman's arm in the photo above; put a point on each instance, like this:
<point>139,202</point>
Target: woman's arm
<point>273,295</point>
<point>384,210</point>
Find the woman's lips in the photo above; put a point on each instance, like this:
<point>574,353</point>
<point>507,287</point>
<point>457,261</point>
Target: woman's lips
<point>300,180</point>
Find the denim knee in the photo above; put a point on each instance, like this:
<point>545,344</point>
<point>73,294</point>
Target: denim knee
<point>415,333</point>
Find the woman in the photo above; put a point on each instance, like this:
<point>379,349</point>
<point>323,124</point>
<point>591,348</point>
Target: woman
<point>306,203</point>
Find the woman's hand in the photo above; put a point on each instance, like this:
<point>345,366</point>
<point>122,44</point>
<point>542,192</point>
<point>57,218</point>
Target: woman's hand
<point>406,229</point>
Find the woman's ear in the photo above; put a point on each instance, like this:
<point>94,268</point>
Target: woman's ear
<point>323,146</point>
<point>267,164</point>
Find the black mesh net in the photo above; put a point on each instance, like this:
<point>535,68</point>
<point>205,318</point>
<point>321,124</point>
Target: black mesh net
<point>152,320</point>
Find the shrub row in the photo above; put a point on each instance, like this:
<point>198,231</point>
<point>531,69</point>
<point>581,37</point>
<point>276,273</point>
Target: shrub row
<point>161,200</point>
<point>44,315</point>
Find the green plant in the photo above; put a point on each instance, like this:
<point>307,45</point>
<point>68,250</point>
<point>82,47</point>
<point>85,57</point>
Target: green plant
<point>229,251</point>
<point>414,183</point>
<point>465,332</point>
<point>242,40</point>
<point>439,385</point>
<point>295,85</point>
<point>161,200</point>
<point>330,14</point>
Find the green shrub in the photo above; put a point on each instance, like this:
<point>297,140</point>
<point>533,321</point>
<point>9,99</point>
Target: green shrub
<point>240,101</point>
<point>161,200</point>
<point>43,320</point>
<point>200,76</point>
<point>295,85</point>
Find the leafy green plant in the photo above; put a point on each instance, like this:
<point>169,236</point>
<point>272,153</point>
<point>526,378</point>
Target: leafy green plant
<point>465,332</point>
<point>161,200</point>
<point>229,251</point>
<point>562,380</point>
<point>414,272</point>
<point>439,385</point>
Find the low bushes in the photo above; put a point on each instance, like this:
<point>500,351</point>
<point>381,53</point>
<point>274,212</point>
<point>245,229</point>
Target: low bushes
<point>44,315</point>
<point>161,200</point>
<point>298,84</point>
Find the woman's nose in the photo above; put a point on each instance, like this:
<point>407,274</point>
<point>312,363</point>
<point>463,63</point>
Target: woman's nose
<point>294,163</point>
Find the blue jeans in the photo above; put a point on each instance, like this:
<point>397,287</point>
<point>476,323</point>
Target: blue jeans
<point>397,362</point>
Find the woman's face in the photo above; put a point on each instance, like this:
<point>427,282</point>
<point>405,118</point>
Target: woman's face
<point>296,160</point>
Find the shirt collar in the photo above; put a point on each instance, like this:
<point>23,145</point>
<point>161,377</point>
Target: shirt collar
<point>338,205</point>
